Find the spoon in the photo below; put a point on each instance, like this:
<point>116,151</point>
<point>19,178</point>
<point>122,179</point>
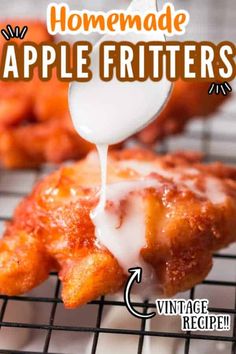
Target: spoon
<point>106,113</point>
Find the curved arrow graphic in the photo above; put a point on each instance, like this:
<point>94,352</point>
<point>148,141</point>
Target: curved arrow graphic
<point>136,275</point>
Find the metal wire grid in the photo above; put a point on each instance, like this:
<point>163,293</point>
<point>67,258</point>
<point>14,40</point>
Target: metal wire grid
<point>100,304</point>
<point>11,190</point>
<point>141,333</point>
<point>203,138</point>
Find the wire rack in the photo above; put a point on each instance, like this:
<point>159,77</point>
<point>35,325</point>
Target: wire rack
<point>87,323</point>
<point>54,330</point>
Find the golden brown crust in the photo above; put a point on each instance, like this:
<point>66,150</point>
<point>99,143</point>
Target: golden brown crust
<point>34,144</point>
<point>24,263</point>
<point>35,125</point>
<point>188,215</point>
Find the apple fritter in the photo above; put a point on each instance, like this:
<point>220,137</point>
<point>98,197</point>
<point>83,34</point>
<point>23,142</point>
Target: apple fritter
<point>189,213</point>
<point>35,125</point>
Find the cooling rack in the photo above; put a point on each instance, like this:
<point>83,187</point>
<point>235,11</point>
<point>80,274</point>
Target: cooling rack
<point>54,328</point>
<point>216,139</point>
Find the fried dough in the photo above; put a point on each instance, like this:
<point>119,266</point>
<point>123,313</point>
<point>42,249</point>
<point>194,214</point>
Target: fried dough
<point>189,214</point>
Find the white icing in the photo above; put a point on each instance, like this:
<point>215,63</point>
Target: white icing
<point>146,168</point>
<point>213,189</point>
<point>102,152</point>
<point>124,242</point>
<point>141,167</point>
<point>107,113</point>
<point>125,237</point>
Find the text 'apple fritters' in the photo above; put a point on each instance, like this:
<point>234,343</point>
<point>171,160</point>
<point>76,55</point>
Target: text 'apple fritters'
<point>35,125</point>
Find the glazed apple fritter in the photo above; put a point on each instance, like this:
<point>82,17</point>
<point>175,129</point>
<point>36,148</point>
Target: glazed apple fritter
<point>189,214</point>
<point>35,125</point>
